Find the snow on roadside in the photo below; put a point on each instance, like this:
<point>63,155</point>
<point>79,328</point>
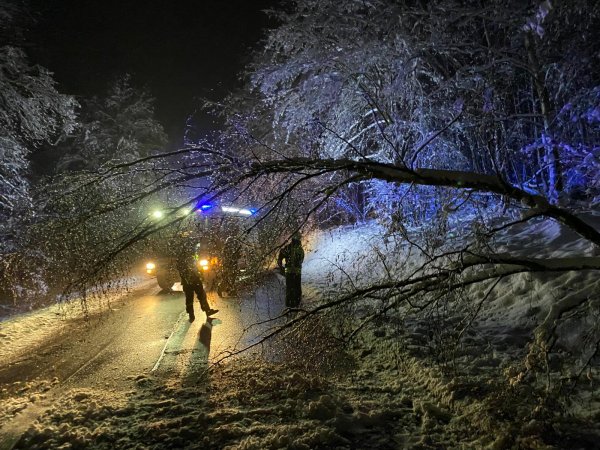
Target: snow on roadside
<point>364,253</point>
<point>248,405</point>
<point>353,253</point>
<point>499,338</point>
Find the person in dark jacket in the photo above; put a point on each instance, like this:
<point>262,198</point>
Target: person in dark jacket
<point>192,283</point>
<point>229,268</point>
<point>293,255</point>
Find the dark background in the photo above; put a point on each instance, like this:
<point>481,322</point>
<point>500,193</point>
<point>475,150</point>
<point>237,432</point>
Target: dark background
<point>180,50</point>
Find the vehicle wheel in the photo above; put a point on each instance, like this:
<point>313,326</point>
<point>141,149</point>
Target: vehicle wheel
<point>165,281</point>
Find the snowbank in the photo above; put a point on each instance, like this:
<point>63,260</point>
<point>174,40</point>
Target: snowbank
<point>247,405</point>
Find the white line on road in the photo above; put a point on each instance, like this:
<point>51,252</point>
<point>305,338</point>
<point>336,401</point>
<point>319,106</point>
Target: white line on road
<point>162,354</point>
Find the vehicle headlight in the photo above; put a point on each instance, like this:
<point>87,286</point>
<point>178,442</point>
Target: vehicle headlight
<point>203,263</point>
<point>150,266</point>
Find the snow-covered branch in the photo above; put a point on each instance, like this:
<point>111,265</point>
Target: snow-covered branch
<point>434,177</point>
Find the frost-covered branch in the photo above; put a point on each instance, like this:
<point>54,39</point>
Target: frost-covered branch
<point>434,177</point>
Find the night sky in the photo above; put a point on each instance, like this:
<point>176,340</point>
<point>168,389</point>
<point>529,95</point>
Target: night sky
<point>180,50</point>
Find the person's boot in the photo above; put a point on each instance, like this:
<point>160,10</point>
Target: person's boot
<point>192,317</point>
<point>211,311</point>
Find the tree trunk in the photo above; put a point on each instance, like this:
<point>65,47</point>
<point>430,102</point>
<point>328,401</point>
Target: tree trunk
<point>551,153</point>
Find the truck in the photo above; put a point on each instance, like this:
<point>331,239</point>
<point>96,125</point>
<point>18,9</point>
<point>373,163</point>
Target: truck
<point>165,270</point>
<point>211,223</point>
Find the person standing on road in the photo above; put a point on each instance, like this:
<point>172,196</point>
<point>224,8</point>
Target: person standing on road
<point>192,283</point>
<point>229,268</point>
<point>293,255</point>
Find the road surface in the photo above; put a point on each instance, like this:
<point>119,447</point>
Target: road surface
<point>145,333</point>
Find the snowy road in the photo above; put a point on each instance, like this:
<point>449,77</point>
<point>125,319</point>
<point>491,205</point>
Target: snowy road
<point>145,333</point>
<point>142,333</point>
<point>239,322</point>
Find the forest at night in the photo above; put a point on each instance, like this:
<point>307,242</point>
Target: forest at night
<point>391,209</point>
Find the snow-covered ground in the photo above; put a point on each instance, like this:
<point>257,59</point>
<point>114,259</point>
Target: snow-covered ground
<point>390,388</point>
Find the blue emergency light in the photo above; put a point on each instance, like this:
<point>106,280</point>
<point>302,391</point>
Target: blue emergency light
<point>205,207</point>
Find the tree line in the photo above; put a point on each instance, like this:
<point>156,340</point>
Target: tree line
<point>48,139</point>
